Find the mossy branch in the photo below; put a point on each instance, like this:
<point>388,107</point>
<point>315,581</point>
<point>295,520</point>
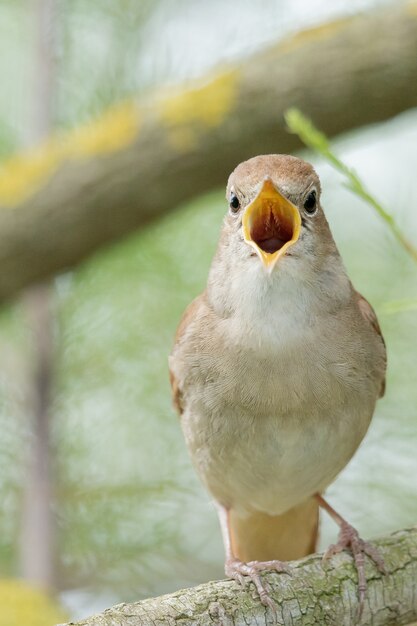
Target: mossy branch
<point>302,126</point>
<point>313,594</point>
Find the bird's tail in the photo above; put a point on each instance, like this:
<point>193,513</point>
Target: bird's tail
<point>261,537</point>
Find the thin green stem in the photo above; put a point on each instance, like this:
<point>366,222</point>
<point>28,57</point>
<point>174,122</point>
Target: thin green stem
<point>315,139</point>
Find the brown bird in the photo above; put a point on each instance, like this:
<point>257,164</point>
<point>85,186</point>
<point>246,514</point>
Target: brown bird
<point>276,370</point>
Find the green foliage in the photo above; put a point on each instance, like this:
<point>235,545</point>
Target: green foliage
<point>399,306</point>
<point>315,139</point>
<point>109,34</point>
<point>98,48</point>
<point>134,519</point>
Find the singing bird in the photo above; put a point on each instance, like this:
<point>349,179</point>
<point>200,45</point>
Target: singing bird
<point>276,370</point>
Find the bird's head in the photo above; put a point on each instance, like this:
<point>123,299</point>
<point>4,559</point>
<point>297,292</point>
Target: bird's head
<point>275,237</point>
<point>274,210</point>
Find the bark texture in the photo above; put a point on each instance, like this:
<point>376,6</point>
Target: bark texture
<point>313,594</point>
<point>79,192</point>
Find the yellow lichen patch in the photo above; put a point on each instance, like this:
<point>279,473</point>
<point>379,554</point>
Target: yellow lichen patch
<point>316,33</point>
<point>24,174</point>
<point>21,604</point>
<point>110,132</point>
<point>189,112</point>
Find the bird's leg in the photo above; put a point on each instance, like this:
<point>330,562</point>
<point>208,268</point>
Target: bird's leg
<point>237,569</point>
<point>349,538</point>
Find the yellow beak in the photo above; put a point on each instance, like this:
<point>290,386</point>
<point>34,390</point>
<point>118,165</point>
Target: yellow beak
<point>271,224</point>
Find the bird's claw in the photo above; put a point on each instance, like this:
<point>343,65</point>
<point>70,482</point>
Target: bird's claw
<point>239,571</point>
<point>349,538</point>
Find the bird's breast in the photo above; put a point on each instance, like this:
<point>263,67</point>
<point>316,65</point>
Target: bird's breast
<point>268,423</point>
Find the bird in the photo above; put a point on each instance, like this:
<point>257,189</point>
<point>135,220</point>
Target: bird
<point>275,371</point>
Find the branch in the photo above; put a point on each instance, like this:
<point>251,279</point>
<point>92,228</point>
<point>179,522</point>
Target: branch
<point>314,594</point>
<point>89,188</point>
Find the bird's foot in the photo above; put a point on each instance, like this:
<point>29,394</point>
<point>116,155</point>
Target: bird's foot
<point>239,571</point>
<point>349,538</point>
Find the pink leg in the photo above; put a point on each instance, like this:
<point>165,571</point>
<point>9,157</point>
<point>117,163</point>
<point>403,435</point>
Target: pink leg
<point>237,569</point>
<point>349,538</point>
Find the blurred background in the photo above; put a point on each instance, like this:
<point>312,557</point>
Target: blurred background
<point>99,502</point>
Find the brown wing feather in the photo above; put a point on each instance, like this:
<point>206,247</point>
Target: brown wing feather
<point>370,316</point>
<point>186,319</point>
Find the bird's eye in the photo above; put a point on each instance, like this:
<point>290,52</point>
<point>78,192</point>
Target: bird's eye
<point>310,203</point>
<point>234,203</point>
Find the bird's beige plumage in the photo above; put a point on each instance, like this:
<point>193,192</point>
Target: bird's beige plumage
<point>275,373</point>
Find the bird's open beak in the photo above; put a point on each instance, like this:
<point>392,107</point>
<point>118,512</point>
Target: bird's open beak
<point>271,224</point>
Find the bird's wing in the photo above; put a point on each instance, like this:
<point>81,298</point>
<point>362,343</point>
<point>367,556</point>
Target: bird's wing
<point>369,315</point>
<point>187,318</point>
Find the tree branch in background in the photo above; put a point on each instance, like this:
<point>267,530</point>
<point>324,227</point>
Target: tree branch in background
<point>313,138</point>
<point>77,193</point>
<point>314,594</point>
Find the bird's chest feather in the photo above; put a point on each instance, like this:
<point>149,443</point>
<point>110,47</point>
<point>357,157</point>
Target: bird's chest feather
<point>282,410</point>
